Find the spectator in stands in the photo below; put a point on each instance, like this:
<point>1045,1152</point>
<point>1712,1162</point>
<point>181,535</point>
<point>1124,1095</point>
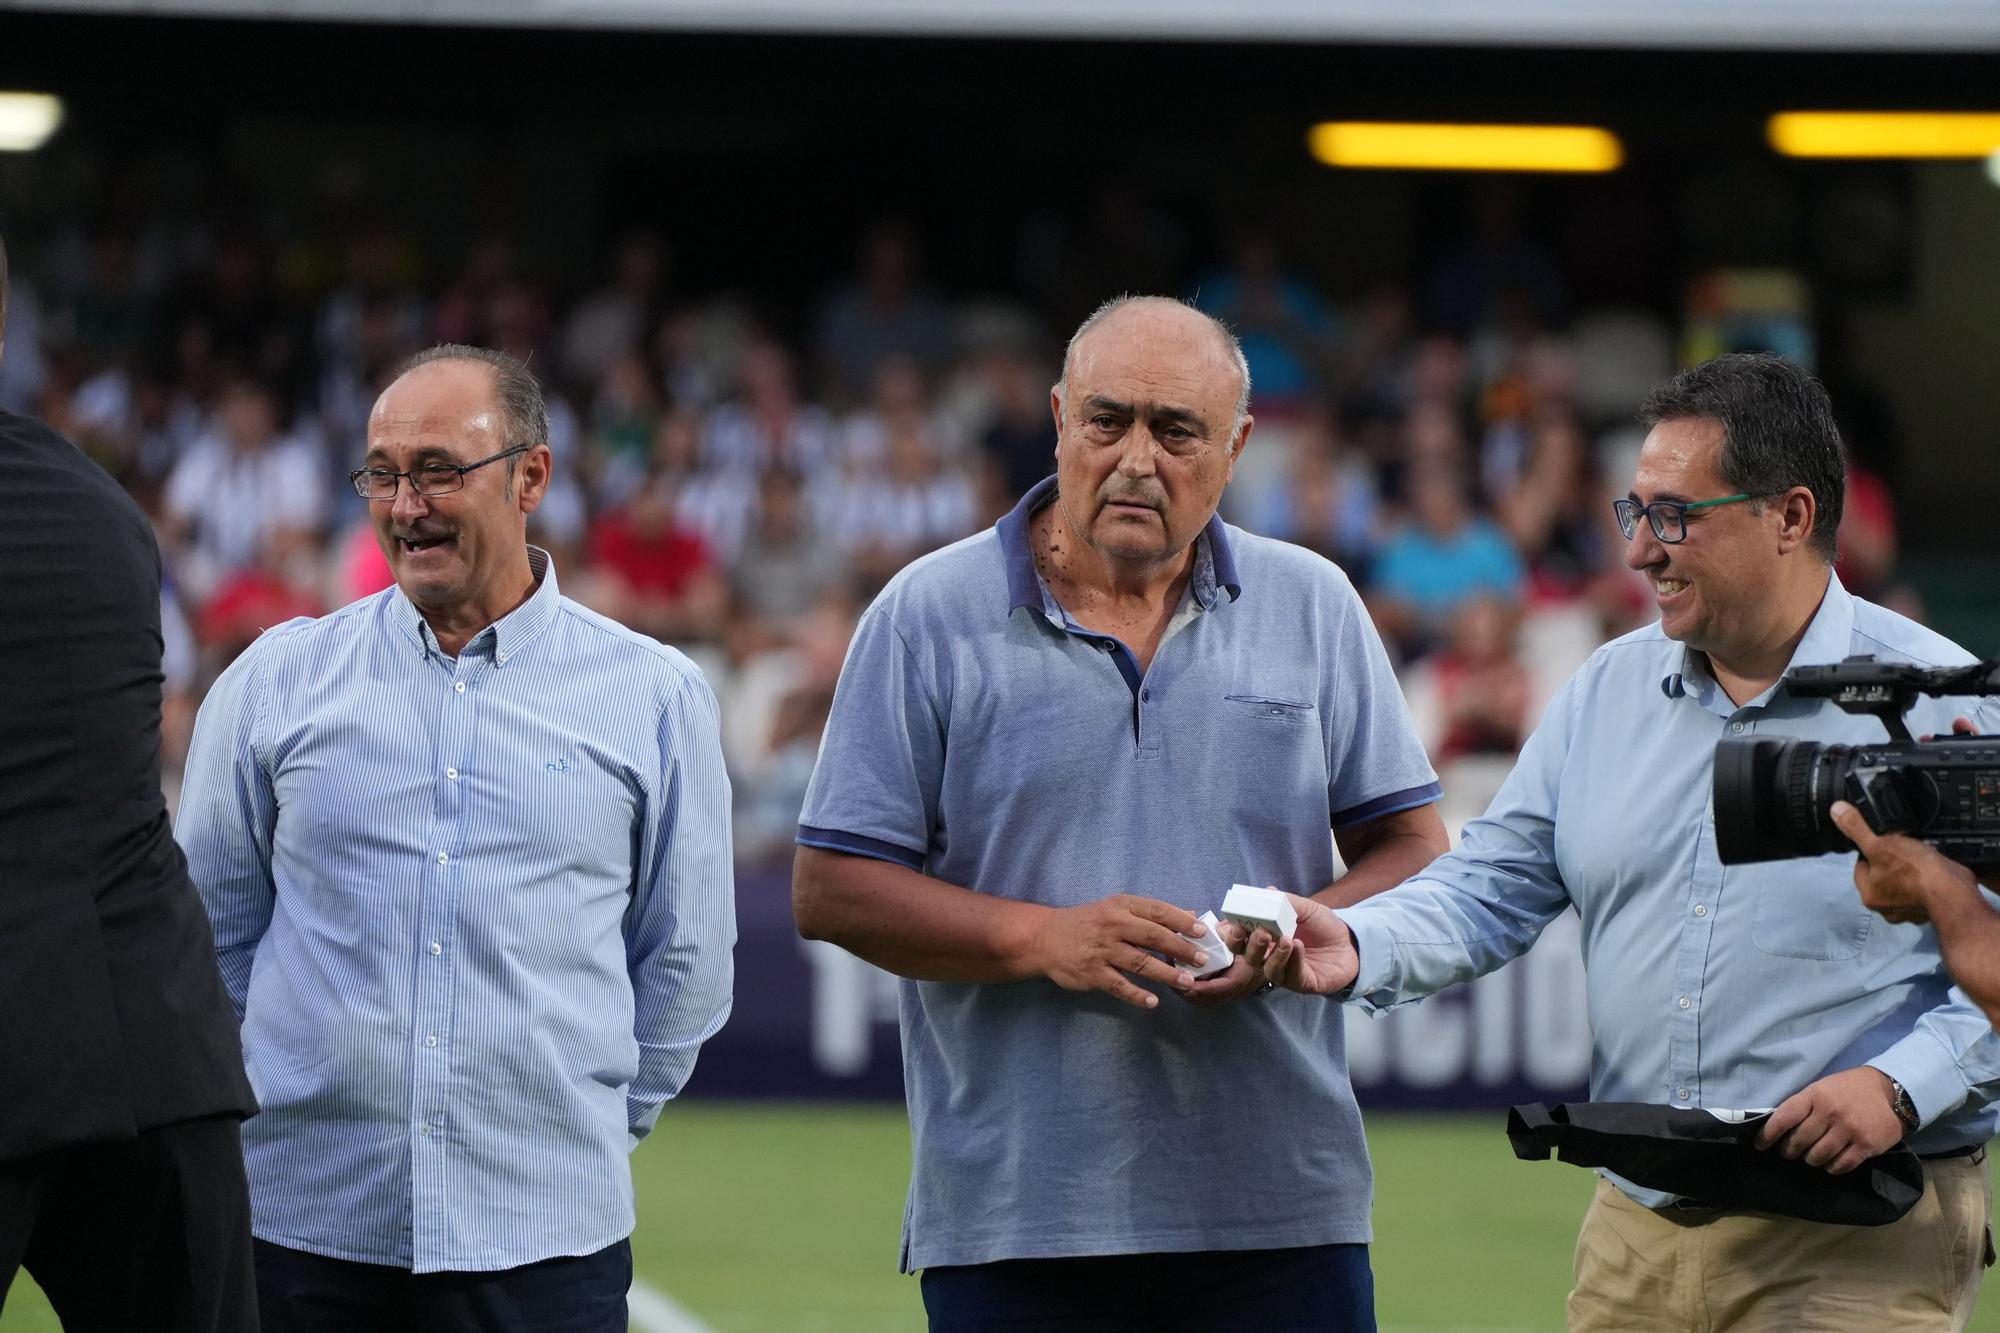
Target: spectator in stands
<point>1330,502</point>
<point>716,502</point>
<point>1017,439</point>
<point>613,321</point>
<point>767,423</point>
<point>249,327</point>
<point>466,850</point>
<point>121,1169</point>
<point>1444,556</point>
<point>913,504</point>
<point>778,707</point>
<point>243,491</point>
<point>1032,720</point>
<point>898,401</point>
<point>1553,514</point>
<point>1475,687</point>
<point>1286,330</point>
<point>651,573</point>
<point>250,599</point>
<point>784,567</point>
<point>112,318</point>
<point>362,330</point>
<point>624,412</point>
<point>461,311</point>
<point>885,312</point>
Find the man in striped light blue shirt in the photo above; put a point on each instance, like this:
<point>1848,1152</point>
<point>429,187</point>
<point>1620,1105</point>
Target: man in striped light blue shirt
<point>465,846</point>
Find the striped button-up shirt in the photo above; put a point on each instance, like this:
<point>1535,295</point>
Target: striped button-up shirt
<point>475,915</point>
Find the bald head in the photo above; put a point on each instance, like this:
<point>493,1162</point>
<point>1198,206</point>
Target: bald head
<point>1174,327</point>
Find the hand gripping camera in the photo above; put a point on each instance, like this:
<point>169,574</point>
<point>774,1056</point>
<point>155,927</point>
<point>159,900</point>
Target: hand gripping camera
<point>1773,794</point>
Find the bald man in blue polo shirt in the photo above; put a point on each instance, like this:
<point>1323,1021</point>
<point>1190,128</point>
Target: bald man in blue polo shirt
<point>1053,745</point>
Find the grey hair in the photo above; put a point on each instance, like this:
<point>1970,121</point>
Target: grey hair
<point>1230,342</point>
<point>523,409</point>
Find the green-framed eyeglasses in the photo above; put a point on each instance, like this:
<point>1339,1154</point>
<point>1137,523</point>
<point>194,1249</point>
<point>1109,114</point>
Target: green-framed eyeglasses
<point>1667,517</point>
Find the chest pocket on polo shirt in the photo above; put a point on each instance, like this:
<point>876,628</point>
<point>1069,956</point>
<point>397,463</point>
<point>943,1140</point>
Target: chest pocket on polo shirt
<point>1807,908</point>
<point>1270,708</point>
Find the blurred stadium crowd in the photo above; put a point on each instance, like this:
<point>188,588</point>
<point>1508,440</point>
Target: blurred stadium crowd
<point>1452,442</point>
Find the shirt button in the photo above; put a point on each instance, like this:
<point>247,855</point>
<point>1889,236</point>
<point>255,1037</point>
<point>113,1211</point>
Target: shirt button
<point>1145,695</point>
<point>451,773</point>
<point>459,685</point>
<point>436,948</point>
<point>426,1131</point>
<point>1682,1094</point>
<point>1686,1003</point>
<point>431,1040</point>
<point>1700,910</point>
<point>1733,726</point>
<point>444,857</point>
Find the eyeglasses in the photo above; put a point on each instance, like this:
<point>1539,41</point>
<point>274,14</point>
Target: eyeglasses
<point>1667,517</point>
<point>379,483</point>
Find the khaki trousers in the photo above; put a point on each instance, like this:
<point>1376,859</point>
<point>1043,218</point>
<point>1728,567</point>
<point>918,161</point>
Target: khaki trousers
<point>1639,1271</point>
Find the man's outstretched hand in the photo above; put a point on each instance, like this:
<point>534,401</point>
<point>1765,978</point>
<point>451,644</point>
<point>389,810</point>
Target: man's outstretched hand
<point>1319,959</point>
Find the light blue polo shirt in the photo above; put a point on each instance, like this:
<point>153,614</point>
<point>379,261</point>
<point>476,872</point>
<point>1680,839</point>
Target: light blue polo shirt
<point>982,737</point>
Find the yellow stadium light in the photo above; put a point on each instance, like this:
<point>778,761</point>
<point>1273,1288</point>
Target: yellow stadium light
<point>27,120</point>
<point>1435,147</point>
<point>1884,133</point>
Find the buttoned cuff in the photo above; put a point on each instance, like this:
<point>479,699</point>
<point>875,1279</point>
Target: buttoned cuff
<point>1374,985</point>
<point>1927,1072</point>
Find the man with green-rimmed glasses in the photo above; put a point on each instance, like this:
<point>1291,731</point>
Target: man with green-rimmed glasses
<point>1743,987</point>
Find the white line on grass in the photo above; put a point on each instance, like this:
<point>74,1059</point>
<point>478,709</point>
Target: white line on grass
<point>653,1311</point>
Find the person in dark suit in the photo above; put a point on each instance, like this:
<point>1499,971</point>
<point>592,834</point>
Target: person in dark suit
<point>121,1073</point>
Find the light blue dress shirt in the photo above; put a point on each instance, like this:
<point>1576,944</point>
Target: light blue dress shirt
<point>476,915</point>
<point>1709,985</point>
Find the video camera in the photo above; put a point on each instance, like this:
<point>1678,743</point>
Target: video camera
<point>1773,794</point>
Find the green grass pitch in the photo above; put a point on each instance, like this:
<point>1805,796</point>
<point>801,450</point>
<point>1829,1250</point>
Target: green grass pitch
<point>783,1218</point>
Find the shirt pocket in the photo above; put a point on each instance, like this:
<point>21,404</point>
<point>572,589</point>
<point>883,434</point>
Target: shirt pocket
<point>1270,708</point>
<point>1808,909</point>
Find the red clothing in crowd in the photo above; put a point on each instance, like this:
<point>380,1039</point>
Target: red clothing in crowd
<point>661,563</point>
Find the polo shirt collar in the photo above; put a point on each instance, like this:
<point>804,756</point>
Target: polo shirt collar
<point>505,636</point>
<point>1829,636</point>
<point>1214,558</point>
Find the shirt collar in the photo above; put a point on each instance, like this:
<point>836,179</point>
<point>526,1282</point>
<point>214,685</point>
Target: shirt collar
<point>505,636</point>
<point>1214,557</point>
<point>1829,636</point>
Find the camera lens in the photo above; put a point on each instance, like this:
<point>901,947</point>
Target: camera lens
<point>1772,796</point>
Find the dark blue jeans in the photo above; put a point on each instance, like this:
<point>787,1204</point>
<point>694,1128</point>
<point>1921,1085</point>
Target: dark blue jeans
<point>310,1293</point>
<point>1314,1289</point>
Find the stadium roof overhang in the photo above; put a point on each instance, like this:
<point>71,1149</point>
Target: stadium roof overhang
<point>1830,25</point>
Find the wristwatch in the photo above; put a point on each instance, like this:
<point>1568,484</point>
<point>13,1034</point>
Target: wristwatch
<point>1905,1109</point>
